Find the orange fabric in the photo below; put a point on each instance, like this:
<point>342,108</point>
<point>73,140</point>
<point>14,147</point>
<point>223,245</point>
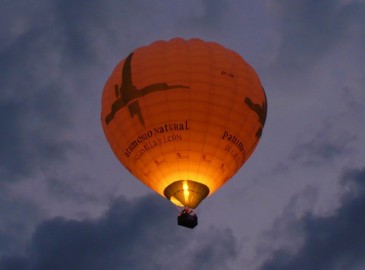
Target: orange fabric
<point>183,110</point>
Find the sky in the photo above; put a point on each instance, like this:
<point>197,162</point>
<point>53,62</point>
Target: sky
<point>66,202</point>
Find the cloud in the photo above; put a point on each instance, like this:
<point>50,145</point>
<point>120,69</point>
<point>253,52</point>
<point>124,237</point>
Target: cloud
<point>213,12</point>
<point>330,242</point>
<point>30,132</point>
<point>330,143</point>
<point>35,109</point>
<point>311,28</point>
<point>139,234</point>
<point>19,217</point>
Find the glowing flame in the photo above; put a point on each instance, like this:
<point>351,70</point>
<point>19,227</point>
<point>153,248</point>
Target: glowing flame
<point>185,186</point>
<point>186,191</point>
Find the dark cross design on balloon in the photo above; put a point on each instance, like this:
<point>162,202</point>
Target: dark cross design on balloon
<point>260,110</point>
<point>127,94</point>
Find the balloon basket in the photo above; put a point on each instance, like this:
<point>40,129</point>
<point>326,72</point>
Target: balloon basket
<point>187,218</point>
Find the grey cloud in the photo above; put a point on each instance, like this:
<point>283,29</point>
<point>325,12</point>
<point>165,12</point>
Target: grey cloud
<point>35,105</point>
<point>213,12</point>
<point>326,146</point>
<point>140,234</point>
<point>215,246</point>
<point>333,242</point>
<point>14,263</point>
<point>19,217</point>
<point>310,28</point>
<point>11,145</point>
<point>29,138</point>
<point>74,190</point>
<point>77,24</point>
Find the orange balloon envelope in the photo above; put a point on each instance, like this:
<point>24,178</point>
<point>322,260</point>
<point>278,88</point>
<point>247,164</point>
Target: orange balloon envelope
<point>183,116</point>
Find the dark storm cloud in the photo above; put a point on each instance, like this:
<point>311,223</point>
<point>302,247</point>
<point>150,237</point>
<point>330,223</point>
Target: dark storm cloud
<point>316,152</point>
<point>213,247</point>
<point>12,158</point>
<point>310,28</point>
<point>18,217</point>
<point>29,132</point>
<point>35,60</point>
<point>333,242</point>
<point>213,12</point>
<point>330,143</point>
<point>75,23</point>
<point>75,190</point>
<point>131,235</point>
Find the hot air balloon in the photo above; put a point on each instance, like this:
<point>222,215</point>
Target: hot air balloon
<point>183,116</point>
